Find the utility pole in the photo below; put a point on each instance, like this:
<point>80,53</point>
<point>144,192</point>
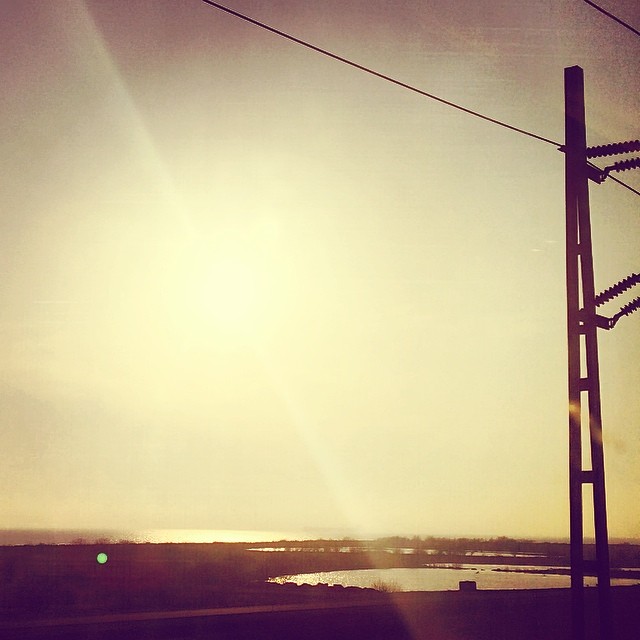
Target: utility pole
<point>586,466</point>
<point>583,370</point>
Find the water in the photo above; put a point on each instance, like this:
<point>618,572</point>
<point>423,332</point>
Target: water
<point>442,578</point>
<point>15,537</point>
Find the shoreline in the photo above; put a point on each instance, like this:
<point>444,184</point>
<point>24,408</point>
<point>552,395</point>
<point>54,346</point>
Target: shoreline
<point>62,580</point>
<point>191,590</point>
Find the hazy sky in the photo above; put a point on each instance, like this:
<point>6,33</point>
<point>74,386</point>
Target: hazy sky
<point>245,286</point>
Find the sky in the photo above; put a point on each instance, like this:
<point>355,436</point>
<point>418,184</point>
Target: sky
<point>245,286</point>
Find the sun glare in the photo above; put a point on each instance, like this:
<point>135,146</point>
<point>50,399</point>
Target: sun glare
<point>230,294</point>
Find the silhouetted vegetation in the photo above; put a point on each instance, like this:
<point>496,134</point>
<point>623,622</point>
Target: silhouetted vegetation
<point>67,579</point>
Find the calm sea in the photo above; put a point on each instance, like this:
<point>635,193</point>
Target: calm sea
<point>14,537</point>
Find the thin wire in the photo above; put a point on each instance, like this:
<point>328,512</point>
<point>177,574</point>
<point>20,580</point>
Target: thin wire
<point>396,82</point>
<point>262,25</point>
<point>624,184</point>
<point>610,15</point>
<point>609,176</point>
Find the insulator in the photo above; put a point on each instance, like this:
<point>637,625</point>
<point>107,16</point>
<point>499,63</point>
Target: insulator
<point>623,165</point>
<point>613,149</point>
<point>628,309</point>
<point>617,289</point>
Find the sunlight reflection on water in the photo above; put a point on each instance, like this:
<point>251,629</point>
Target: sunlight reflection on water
<point>13,537</point>
<point>215,535</point>
<point>441,578</point>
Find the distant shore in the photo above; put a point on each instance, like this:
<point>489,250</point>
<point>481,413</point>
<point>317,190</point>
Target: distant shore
<point>36,536</point>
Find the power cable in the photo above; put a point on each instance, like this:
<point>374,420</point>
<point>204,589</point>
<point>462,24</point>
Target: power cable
<point>610,15</point>
<point>377,74</point>
<point>601,175</point>
<point>324,52</point>
<point>624,184</point>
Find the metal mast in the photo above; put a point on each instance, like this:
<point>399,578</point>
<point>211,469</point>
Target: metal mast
<point>586,467</point>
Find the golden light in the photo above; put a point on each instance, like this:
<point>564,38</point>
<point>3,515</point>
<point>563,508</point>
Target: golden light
<point>230,290</point>
<point>230,295</point>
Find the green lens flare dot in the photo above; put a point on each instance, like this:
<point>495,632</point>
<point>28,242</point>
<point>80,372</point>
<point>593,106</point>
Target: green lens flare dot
<point>102,558</point>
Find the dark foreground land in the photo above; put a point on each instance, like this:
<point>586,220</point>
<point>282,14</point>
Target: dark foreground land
<point>489,615</point>
<point>218,591</point>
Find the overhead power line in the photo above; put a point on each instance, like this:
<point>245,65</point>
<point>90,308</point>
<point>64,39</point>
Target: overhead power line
<point>610,15</point>
<point>404,85</point>
<point>324,52</point>
<point>624,184</point>
<point>599,176</point>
